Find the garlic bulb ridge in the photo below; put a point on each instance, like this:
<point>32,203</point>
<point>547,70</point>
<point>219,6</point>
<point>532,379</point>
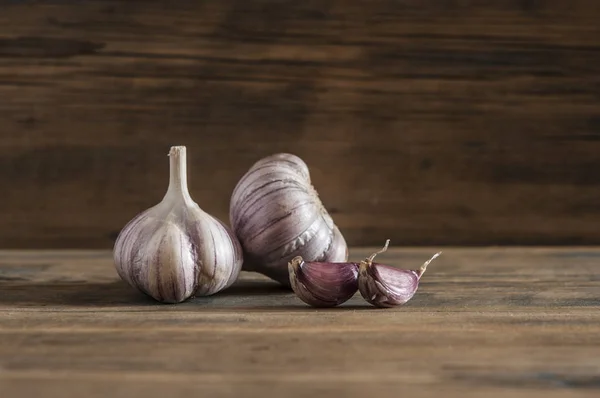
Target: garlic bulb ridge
<point>277,215</point>
<point>175,250</point>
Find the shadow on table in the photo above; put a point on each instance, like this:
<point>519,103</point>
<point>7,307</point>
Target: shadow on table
<point>249,295</point>
<point>244,295</point>
<point>24,293</point>
<point>35,294</point>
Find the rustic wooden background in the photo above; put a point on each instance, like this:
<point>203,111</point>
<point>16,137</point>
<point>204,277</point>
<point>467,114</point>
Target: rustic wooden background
<point>423,121</point>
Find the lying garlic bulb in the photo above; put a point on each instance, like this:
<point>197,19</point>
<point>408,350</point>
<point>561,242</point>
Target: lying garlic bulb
<point>277,215</point>
<point>175,250</point>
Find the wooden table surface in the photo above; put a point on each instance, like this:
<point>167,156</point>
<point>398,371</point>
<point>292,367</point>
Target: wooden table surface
<point>500,322</point>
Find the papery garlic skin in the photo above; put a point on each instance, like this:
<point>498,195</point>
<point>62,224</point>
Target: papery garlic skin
<point>277,215</point>
<point>384,286</point>
<point>175,250</point>
<point>322,284</point>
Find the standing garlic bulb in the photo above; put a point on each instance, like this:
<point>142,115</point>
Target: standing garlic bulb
<point>277,215</point>
<point>175,250</point>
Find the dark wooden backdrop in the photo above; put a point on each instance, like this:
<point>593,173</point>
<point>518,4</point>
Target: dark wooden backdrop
<point>424,121</point>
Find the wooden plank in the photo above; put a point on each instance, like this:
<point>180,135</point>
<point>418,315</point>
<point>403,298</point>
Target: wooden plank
<point>499,322</point>
<point>422,121</point>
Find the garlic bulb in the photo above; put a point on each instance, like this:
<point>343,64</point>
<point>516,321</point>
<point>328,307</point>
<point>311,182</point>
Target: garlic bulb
<point>175,250</point>
<point>277,215</point>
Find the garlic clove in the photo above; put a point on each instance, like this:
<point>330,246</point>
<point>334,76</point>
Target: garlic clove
<point>160,266</point>
<point>383,286</point>
<point>386,286</point>
<point>337,249</point>
<point>323,284</point>
<point>175,250</point>
<point>277,215</point>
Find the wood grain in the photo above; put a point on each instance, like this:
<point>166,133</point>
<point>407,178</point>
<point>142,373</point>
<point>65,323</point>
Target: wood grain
<point>426,122</point>
<point>485,322</point>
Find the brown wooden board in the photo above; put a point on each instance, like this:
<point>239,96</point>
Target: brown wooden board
<point>484,322</point>
<point>427,122</point>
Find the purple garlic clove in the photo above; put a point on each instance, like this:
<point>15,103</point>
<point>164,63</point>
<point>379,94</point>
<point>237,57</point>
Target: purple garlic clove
<point>322,284</point>
<point>385,286</point>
